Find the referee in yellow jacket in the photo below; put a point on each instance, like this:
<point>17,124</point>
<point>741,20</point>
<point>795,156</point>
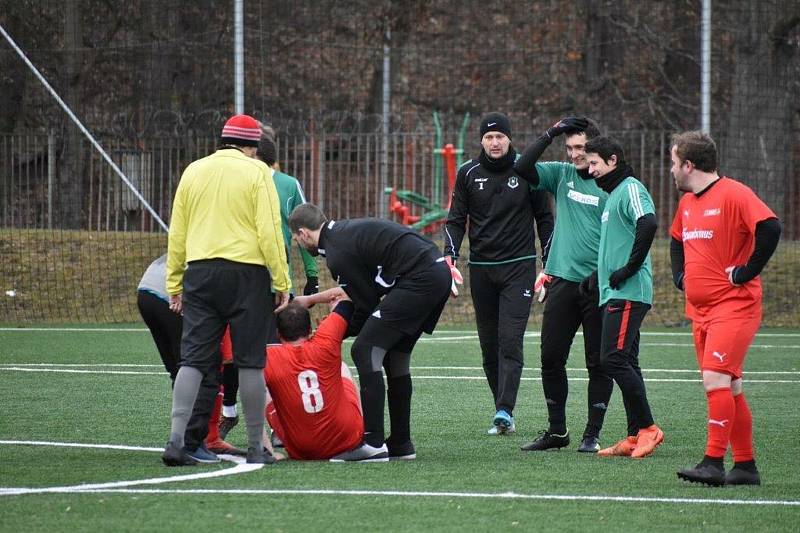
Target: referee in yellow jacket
<point>225,250</point>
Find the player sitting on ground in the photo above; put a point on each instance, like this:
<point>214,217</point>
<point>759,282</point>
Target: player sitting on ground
<point>314,406</point>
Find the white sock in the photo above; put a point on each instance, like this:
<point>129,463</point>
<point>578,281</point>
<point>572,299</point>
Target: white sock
<point>229,411</point>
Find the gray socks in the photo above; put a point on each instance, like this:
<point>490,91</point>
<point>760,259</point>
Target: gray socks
<point>253,393</point>
<point>184,393</point>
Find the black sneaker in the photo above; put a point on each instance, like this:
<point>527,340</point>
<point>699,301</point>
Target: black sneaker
<point>260,457</point>
<point>547,441</point>
<point>203,455</point>
<point>176,456</point>
<point>226,424</point>
<point>363,454</point>
<point>740,476</point>
<point>589,444</point>
<point>401,452</point>
<point>705,473</point>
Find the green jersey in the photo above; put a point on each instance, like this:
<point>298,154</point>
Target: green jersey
<point>626,204</point>
<point>579,205</point>
<point>291,195</point>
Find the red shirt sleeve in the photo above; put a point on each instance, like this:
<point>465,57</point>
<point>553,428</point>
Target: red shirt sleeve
<point>752,209</point>
<point>676,230</point>
<point>330,334</point>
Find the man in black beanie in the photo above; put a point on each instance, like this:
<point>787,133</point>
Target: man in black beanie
<point>501,209</point>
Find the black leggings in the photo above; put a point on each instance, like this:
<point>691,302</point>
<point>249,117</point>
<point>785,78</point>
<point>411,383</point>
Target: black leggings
<point>165,327</point>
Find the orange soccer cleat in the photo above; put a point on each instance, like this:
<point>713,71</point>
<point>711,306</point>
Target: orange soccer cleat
<point>648,440</point>
<point>623,448</point>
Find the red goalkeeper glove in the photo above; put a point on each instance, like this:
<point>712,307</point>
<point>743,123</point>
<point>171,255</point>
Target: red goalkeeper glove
<point>457,278</point>
<point>542,283</point>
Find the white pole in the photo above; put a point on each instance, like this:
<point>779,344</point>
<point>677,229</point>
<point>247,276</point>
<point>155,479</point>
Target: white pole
<point>238,56</point>
<point>83,129</point>
<point>387,97</point>
<point>705,68</point>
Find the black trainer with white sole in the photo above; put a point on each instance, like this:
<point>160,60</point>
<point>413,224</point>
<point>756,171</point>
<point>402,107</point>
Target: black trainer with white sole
<point>363,454</point>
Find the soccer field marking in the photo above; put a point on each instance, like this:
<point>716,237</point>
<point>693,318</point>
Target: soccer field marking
<point>438,367</point>
<point>22,368</point>
<point>240,467</point>
<point>453,334</point>
<point>442,494</point>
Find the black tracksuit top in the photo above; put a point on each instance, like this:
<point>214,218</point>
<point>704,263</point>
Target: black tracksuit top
<point>366,256</point>
<point>501,208</point>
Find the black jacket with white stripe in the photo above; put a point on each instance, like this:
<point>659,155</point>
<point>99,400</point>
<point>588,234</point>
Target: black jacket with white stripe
<point>366,256</point>
<point>500,209</point>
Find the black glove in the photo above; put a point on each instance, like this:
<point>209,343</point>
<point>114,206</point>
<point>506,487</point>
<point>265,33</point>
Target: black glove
<point>588,286</point>
<point>618,277</point>
<point>569,124</point>
<point>741,274</point>
<point>312,286</point>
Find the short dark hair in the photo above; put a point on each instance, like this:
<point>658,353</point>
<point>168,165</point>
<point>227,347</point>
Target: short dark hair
<point>306,216</point>
<point>605,147</point>
<point>591,131</point>
<point>294,322</point>
<point>267,151</point>
<point>697,147</point>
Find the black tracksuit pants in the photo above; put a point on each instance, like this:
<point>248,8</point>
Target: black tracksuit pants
<point>565,309</point>
<point>619,353</point>
<point>502,297</point>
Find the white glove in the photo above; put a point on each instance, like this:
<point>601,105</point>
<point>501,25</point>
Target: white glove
<point>457,278</point>
<point>542,282</point>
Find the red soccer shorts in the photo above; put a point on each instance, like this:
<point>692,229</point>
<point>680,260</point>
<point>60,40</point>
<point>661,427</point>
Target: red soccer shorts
<point>721,343</point>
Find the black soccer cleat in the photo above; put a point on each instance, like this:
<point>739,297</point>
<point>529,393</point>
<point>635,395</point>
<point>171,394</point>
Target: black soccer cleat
<point>589,444</point>
<point>401,451</point>
<point>704,473</point>
<point>226,424</point>
<point>176,456</point>
<point>740,476</point>
<point>260,457</point>
<point>547,441</point>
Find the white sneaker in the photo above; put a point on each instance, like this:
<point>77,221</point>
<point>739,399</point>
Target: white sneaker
<point>363,454</point>
<point>495,430</point>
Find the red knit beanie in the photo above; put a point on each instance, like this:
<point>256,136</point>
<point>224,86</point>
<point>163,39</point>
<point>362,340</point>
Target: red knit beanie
<point>241,130</point>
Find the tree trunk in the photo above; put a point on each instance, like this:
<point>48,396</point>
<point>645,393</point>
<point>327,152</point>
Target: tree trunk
<point>757,145</point>
<point>70,182</point>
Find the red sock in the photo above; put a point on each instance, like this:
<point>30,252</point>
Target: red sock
<point>721,412</point>
<point>213,424</point>
<point>742,431</point>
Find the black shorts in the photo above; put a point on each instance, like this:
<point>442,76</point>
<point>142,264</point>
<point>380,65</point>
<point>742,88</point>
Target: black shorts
<point>217,292</point>
<point>415,303</point>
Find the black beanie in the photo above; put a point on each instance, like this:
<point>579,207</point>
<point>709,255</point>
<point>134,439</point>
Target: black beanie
<point>495,121</point>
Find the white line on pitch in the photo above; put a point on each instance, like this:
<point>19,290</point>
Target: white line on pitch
<point>469,333</point>
<point>475,495</point>
<point>59,366</point>
<point>649,380</point>
<point>463,378</point>
<point>240,468</point>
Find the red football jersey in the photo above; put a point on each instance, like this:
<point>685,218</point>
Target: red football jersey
<point>717,229</point>
<point>317,416</point>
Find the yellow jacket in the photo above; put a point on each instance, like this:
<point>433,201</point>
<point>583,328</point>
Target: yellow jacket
<point>226,207</point>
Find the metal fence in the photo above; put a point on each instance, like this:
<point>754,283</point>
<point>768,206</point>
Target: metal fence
<point>93,232</point>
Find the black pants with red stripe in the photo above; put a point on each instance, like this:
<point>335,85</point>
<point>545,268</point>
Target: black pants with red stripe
<point>619,355</point>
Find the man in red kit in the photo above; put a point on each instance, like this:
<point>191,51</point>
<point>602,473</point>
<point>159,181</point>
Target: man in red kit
<point>722,237</point>
<point>315,407</point>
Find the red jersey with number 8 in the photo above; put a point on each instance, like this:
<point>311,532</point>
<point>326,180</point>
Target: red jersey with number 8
<point>717,229</point>
<point>316,410</point>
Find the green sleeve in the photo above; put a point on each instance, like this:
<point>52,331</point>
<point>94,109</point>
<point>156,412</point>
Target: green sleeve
<point>309,262</point>
<point>549,175</point>
<point>638,201</point>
